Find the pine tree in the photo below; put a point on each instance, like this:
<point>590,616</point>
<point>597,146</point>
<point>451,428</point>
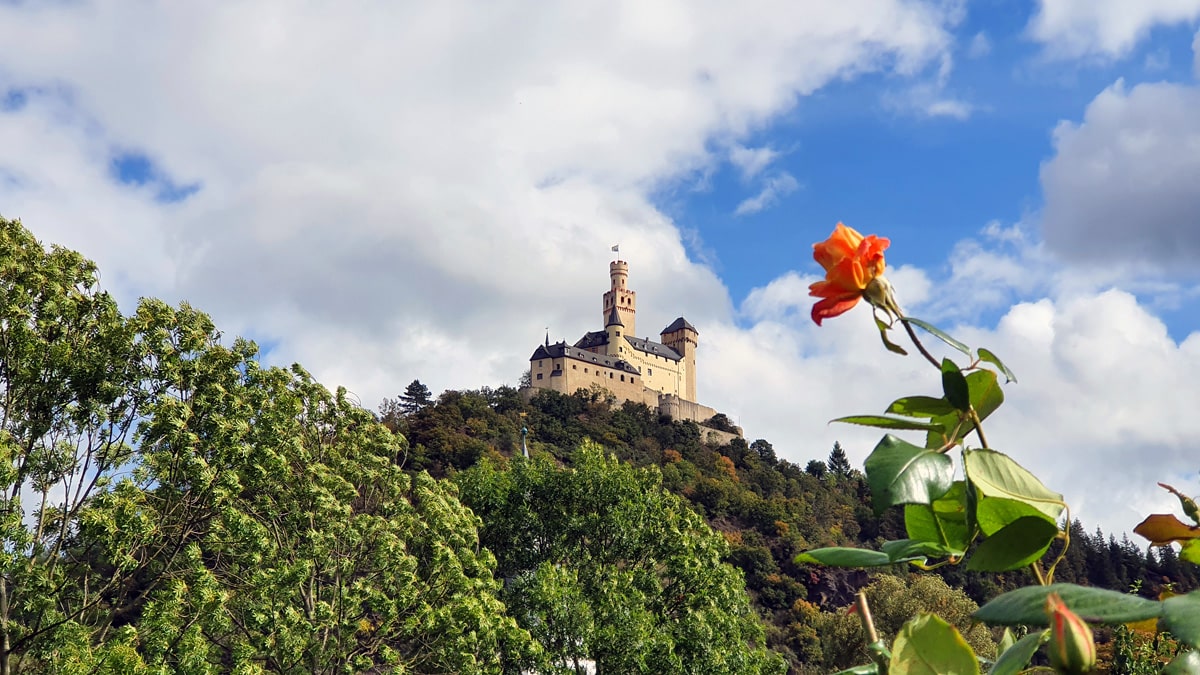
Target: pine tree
<point>839,465</point>
<point>415,397</point>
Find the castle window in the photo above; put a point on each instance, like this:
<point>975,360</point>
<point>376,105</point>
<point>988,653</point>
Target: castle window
<point>622,378</point>
<point>585,370</point>
<point>610,376</point>
<point>649,371</point>
<point>539,376</point>
<point>573,367</point>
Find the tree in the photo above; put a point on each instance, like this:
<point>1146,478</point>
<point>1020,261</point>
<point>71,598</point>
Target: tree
<point>839,465</point>
<point>602,564</point>
<point>415,397</point>
<point>816,468</point>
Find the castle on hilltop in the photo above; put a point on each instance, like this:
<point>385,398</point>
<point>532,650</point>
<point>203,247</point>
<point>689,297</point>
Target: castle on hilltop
<point>660,374</point>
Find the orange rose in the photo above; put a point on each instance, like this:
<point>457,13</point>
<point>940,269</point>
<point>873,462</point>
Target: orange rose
<point>851,263</point>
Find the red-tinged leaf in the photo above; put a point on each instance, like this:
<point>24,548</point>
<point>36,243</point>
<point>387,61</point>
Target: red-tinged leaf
<point>1164,528</point>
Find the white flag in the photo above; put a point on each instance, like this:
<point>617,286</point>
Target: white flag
<point>616,248</point>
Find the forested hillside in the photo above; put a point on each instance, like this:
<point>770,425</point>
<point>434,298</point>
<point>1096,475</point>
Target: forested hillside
<point>768,509</point>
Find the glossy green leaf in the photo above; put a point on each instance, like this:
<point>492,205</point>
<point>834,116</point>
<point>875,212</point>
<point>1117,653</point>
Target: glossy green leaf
<point>995,474</point>
<point>1014,657</point>
<point>988,356</point>
<point>948,423</point>
<point>995,514</point>
<point>1181,615</point>
<point>954,386</point>
<point>927,645</point>
<point>911,549</point>
<point>986,393</point>
<point>885,422</point>
<point>902,473</point>
<point>946,520</point>
<point>1095,605</point>
<point>840,556</point>
<point>921,406</point>
<point>1015,546</point>
<point>939,334</point>
<point>1187,663</point>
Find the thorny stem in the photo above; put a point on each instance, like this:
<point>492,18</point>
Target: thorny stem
<point>912,335</point>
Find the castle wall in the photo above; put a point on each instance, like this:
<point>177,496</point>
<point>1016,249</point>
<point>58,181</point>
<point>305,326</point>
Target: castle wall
<point>663,375</point>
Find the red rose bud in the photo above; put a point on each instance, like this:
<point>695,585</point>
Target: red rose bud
<point>1072,646</point>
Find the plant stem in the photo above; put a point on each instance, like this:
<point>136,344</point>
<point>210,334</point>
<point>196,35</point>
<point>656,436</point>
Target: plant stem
<point>912,335</point>
<point>1037,572</point>
<point>979,428</point>
<point>864,615</point>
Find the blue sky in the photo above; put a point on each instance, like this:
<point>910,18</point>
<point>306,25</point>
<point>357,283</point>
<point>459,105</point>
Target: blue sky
<point>417,190</point>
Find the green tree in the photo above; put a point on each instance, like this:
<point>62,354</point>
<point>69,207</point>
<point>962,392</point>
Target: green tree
<point>602,564</point>
<point>839,464</point>
<point>415,397</point>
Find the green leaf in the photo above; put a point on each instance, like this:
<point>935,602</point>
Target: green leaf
<point>954,385</point>
<point>921,406</point>
<point>986,394</point>
<point>939,334</point>
<point>927,645</point>
<point>1191,551</point>
<point>1007,640</point>
<point>948,422</point>
<point>1015,546</point>
<point>986,355</point>
<point>946,520</point>
<point>995,474</point>
<point>840,556</point>
<point>1187,663</point>
<point>885,422</point>
<point>909,549</point>
<point>865,669</point>
<point>1181,614</point>
<point>995,514</point>
<point>1015,657</point>
<point>1097,605</point>
<point>891,346</point>
<point>902,473</point>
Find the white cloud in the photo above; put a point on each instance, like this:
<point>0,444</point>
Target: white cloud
<point>751,161</point>
<point>1157,60</point>
<point>980,46</point>
<point>774,188</point>
<point>1122,184</point>
<point>928,99</point>
<point>1104,28</point>
<point>410,189</point>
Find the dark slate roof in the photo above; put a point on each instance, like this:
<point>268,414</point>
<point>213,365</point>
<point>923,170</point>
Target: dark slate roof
<point>596,338</point>
<point>677,324</point>
<point>651,347</point>
<point>614,318</point>
<point>561,349</point>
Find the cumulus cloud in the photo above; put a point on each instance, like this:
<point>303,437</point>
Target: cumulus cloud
<point>1103,28</point>
<point>408,189</point>
<point>1122,183</point>
<point>774,188</point>
<point>1196,55</point>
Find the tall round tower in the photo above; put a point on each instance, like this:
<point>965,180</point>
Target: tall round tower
<point>620,297</point>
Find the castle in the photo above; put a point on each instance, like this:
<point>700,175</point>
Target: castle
<point>660,374</point>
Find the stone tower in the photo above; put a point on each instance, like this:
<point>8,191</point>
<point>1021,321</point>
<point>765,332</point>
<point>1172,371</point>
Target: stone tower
<point>684,338</point>
<point>620,297</point>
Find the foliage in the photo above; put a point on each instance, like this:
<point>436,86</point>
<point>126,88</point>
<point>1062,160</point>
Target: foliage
<point>602,564</point>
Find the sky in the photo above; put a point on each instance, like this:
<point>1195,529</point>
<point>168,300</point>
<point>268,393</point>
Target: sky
<point>393,191</point>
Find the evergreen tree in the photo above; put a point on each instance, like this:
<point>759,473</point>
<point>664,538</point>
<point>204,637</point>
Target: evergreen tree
<point>817,469</point>
<point>415,397</point>
<point>839,464</point>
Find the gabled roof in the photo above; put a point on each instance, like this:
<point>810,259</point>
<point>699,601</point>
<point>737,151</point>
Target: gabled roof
<point>678,324</point>
<point>561,349</point>
<point>596,338</point>
<point>651,347</point>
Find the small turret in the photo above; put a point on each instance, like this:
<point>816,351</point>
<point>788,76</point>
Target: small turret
<point>684,338</point>
<point>620,298</point>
